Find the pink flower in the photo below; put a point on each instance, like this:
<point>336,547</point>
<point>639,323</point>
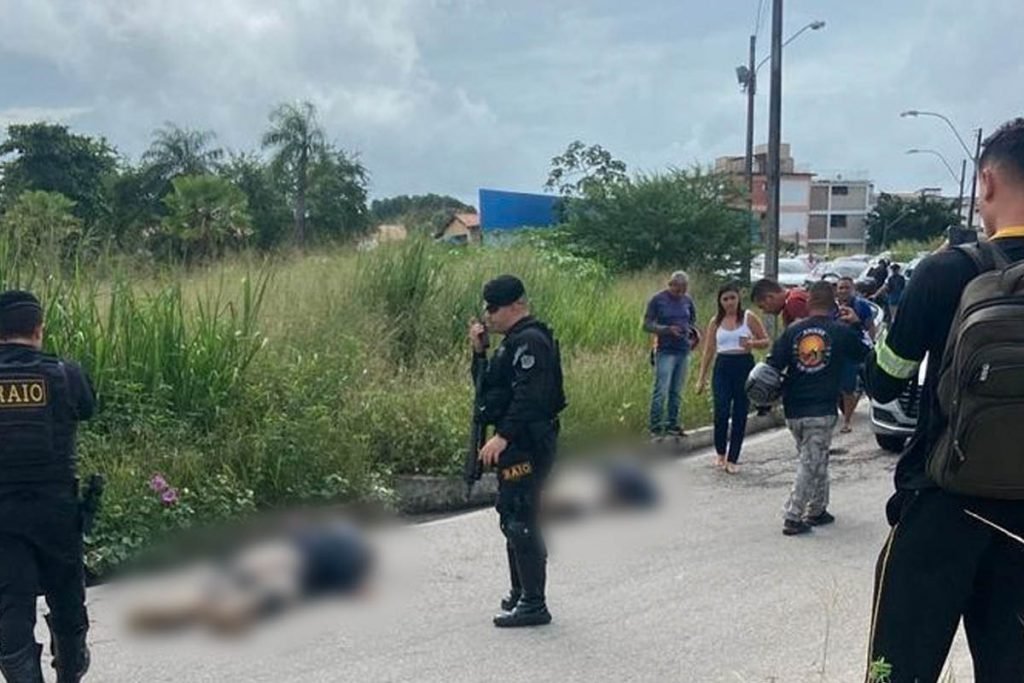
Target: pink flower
<point>158,483</point>
<point>169,497</point>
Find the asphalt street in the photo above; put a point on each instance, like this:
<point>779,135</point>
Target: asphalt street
<point>705,588</point>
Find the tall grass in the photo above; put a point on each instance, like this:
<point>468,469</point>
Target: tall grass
<point>262,383</point>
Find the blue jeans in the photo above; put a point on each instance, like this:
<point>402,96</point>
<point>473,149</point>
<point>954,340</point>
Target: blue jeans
<point>669,378</point>
<point>728,383</point>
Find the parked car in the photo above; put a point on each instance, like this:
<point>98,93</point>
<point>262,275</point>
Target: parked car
<point>894,422</point>
<point>833,270</point>
<point>793,272</point>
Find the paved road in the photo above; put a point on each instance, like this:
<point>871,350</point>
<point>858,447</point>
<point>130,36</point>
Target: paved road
<point>705,589</point>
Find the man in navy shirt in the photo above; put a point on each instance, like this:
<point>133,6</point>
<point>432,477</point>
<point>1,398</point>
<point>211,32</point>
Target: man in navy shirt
<point>812,353</point>
<point>672,318</point>
<point>846,295</point>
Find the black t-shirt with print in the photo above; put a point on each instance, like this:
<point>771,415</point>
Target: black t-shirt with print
<point>812,353</point>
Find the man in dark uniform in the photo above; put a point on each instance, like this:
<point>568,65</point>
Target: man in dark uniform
<point>521,395</point>
<point>949,557</point>
<point>41,400</point>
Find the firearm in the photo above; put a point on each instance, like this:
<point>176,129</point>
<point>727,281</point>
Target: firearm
<point>473,467</point>
<point>90,504</point>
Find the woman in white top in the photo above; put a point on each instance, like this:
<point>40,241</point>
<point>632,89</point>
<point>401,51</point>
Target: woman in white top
<point>731,337</point>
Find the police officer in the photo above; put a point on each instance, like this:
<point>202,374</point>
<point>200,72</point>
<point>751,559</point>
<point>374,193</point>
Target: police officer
<point>942,563</point>
<point>521,395</point>
<point>41,400</point>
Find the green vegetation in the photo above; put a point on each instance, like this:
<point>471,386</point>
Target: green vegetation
<point>257,383</point>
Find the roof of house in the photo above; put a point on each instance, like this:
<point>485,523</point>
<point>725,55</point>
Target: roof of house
<point>470,220</point>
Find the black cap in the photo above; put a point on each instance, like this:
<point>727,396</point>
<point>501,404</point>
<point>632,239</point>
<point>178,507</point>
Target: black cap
<point>16,298</point>
<point>504,290</point>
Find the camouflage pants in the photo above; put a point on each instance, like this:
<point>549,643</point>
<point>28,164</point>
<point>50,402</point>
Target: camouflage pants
<point>809,496</point>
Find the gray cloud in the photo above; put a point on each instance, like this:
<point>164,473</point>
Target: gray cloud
<point>451,95</point>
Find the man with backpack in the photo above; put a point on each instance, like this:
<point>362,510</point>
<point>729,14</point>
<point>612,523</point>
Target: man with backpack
<point>956,548</point>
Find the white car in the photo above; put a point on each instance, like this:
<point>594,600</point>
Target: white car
<point>793,272</point>
<point>894,422</point>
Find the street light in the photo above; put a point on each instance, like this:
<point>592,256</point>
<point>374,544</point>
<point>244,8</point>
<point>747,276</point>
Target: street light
<point>963,173</point>
<point>747,77</point>
<point>915,113</point>
<point>973,157</point>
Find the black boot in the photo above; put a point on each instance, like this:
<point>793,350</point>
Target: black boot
<point>532,609</point>
<point>509,602</point>
<point>23,666</point>
<point>70,654</point>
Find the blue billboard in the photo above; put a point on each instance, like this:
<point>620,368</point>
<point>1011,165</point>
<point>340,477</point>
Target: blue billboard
<point>501,210</point>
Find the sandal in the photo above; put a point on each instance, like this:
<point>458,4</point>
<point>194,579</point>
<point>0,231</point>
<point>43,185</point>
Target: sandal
<point>846,429</point>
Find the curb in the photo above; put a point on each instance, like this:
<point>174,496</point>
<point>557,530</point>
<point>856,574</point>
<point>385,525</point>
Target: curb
<point>420,494</point>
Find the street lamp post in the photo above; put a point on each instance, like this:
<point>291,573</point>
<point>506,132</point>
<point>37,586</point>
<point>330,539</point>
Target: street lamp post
<point>747,76</point>
<point>973,157</point>
<point>952,173</point>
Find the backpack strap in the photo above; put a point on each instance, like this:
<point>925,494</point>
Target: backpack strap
<point>985,255</point>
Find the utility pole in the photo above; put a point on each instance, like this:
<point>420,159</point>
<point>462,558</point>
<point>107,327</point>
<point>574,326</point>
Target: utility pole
<point>771,261</point>
<point>748,162</point>
<point>960,199</point>
<point>974,182</point>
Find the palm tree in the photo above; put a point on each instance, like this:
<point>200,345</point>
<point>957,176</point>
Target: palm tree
<point>181,151</point>
<point>298,140</point>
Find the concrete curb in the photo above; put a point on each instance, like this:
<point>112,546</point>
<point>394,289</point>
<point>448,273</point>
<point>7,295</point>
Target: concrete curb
<point>420,494</point>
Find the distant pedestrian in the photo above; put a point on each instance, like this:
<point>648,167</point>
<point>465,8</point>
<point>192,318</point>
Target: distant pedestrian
<point>672,317</point>
<point>812,353</point>
<point>731,337</point>
<point>846,295</point>
<point>891,292</point>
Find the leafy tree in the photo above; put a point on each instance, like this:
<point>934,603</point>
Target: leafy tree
<point>418,212</point>
<point>920,220</point>
<point>267,199</point>
<point>181,151</point>
<point>206,214</point>
<point>42,225</point>
<point>135,196</point>
<point>667,220</point>
<point>337,195</point>
<point>584,171</point>
<point>46,157</point>
<point>298,141</point>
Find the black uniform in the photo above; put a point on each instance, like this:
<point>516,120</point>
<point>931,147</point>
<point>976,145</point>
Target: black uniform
<point>41,400</point>
<point>522,395</point>
<point>941,564</point>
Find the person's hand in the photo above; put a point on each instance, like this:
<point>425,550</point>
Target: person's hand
<point>492,450</point>
<point>477,335</point>
<point>676,331</point>
<point>702,385</point>
<point>746,343</point>
<point>848,315</point>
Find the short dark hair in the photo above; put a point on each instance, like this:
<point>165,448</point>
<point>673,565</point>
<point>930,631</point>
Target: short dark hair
<point>763,288</point>
<point>895,266</point>
<point>845,277</point>
<point>20,314</point>
<point>821,296</point>
<point>1005,148</point>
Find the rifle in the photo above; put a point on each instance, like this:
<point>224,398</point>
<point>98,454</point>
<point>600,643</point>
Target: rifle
<point>473,467</point>
<point>90,505</point>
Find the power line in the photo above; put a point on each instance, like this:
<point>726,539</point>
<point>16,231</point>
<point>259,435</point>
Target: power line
<point>759,17</point>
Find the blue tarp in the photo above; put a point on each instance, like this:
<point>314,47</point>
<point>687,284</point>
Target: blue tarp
<point>501,210</point>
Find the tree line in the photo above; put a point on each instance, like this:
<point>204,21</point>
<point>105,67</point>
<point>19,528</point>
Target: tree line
<point>186,197</point>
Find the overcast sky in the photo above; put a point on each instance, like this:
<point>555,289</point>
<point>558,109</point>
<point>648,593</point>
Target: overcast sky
<point>451,95</point>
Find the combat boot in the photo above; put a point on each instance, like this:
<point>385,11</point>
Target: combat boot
<point>531,609</point>
<point>509,602</point>
<point>70,654</point>
<point>23,666</point>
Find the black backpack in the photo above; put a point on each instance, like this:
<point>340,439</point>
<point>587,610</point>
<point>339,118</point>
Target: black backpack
<point>981,384</point>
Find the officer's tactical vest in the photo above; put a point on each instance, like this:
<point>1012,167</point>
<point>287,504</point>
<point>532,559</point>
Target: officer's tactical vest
<point>981,384</point>
<point>36,426</point>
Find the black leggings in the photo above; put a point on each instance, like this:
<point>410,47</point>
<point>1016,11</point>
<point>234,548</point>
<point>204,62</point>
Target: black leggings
<point>728,385</point>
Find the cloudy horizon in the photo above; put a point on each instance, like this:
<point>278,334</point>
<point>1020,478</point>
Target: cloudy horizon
<point>448,96</point>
